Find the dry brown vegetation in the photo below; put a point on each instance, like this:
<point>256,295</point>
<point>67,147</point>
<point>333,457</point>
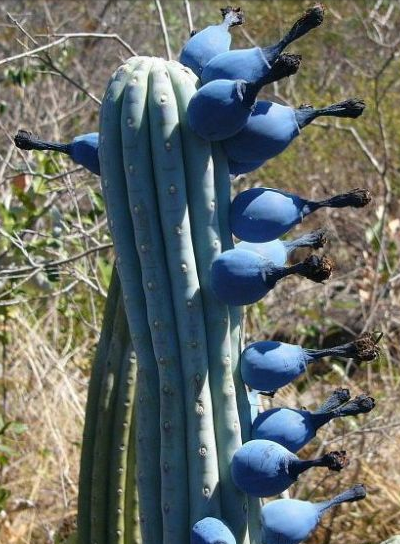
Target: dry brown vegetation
<point>50,210</point>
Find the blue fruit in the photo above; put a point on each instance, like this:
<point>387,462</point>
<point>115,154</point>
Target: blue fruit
<point>222,107</point>
<point>277,251</point>
<point>211,531</point>
<point>237,168</point>
<point>263,468</point>
<point>263,214</point>
<point>213,40</point>
<point>269,365</point>
<point>293,429</point>
<point>83,149</point>
<point>256,63</point>
<point>241,277</point>
<point>304,516</point>
<point>272,127</point>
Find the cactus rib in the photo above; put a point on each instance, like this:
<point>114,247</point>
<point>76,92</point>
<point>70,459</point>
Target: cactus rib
<point>170,180</point>
<point>223,188</point>
<point>101,474</point>
<point>200,188</point>
<point>115,192</point>
<point>160,313</point>
<point>120,438</point>
<point>89,431</point>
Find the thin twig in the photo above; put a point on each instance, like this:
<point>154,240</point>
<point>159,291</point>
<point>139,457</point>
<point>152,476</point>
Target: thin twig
<point>53,264</point>
<point>189,15</point>
<point>73,35</point>
<point>164,29</point>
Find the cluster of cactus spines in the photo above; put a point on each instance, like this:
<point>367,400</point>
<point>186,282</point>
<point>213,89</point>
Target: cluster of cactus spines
<point>172,451</point>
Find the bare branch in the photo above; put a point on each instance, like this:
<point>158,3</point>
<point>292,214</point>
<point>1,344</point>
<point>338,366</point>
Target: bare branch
<point>164,29</point>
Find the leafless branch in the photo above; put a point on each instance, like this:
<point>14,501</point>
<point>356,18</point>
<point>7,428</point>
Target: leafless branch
<point>164,28</point>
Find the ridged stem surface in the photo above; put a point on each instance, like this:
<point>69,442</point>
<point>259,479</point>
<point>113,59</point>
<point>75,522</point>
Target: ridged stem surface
<point>223,193</point>
<point>89,431</point>
<point>204,492</point>
<point>199,171</point>
<point>120,222</point>
<point>143,203</point>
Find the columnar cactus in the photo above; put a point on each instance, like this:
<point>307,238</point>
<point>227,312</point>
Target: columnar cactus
<point>158,180</point>
<point>167,456</point>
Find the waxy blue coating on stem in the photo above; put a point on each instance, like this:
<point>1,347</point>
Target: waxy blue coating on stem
<point>293,429</point>
<point>289,521</point>
<point>218,110</point>
<point>204,493</point>
<point>277,251</point>
<point>263,468</point>
<point>116,199</point>
<point>268,131</point>
<point>211,531</point>
<point>210,41</point>
<point>142,194</point>
<point>199,173</point>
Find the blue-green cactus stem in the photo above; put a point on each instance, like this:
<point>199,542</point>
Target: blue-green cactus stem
<point>120,222</point>
<point>199,173</point>
<point>89,431</point>
<point>223,192</point>
<point>160,313</point>
<point>102,475</point>
<point>131,512</point>
<point>120,439</point>
<point>204,497</point>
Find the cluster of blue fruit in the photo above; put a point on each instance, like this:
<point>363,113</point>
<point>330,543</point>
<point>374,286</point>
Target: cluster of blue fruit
<point>225,109</point>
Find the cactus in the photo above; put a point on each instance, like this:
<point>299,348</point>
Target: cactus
<point>164,219</point>
<point>167,455</point>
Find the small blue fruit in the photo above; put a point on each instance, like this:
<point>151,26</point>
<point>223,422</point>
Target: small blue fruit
<point>293,429</point>
<point>262,214</point>
<point>269,365</point>
<point>263,468</point>
<point>277,251</point>
<point>272,127</point>
<point>83,149</point>
<point>211,531</point>
<point>222,107</point>
<point>211,41</point>
<point>255,63</point>
<point>241,277</point>
<point>304,516</point>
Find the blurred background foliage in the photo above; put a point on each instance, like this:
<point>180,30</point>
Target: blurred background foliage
<point>56,254</point>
